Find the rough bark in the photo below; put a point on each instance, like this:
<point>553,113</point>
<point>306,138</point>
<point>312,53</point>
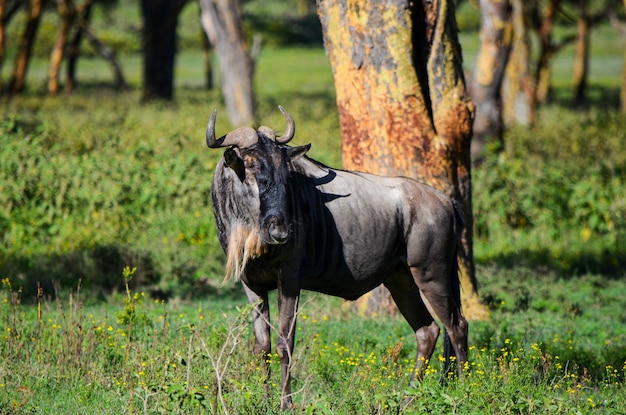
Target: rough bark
<point>496,33</point>
<point>22,59</point>
<point>221,20</point>
<point>581,55</point>
<point>518,88</point>
<point>160,19</point>
<point>403,108</point>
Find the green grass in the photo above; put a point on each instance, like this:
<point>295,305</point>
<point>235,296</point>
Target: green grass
<point>540,352</point>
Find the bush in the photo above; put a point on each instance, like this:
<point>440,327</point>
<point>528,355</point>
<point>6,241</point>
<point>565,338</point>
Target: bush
<point>78,209</point>
<point>555,194</point>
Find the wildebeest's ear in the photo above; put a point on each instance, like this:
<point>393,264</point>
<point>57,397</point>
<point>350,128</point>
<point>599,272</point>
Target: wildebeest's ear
<point>295,153</point>
<point>232,160</point>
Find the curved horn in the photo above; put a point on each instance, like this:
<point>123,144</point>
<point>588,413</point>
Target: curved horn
<point>291,127</point>
<point>241,137</point>
<point>210,131</point>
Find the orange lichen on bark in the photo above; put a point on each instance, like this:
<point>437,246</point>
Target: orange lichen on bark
<point>388,125</point>
<point>382,113</point>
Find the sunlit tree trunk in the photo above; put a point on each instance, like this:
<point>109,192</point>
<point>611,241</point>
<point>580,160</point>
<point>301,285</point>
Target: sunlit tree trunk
<point>221,20</point>
<point>496,33</point>
<point>66,13</point>
<point>581,55</point>
<point>402,103</point>
<point>518,88</point>
<point>28,38</point>
<point>546,52</point>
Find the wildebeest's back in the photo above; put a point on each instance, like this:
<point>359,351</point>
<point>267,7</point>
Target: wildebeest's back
<point>357,235</point>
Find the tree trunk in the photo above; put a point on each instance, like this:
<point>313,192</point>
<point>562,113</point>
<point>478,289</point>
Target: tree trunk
<point>622,30</point>
<point>546,52</point>
<point>108,55</point>
<point>622,95</point>
<point>623,89</point>
<point>581,55</point>
<point>620,27</point>
<point>160,18</point>
<point>496,33</point>
<point>83,16</point>
<point>28,38</point>
<point>3,4</point>
<point>207,54</point>
<point>66,13</point>
<point>221,20</point>
<point>402,103</point>
<point>518,88</point>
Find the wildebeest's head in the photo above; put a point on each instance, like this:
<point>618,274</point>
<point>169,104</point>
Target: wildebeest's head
<point>260,161</point>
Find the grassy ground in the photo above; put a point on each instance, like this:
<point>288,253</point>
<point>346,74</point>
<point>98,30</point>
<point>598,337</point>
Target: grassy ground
<point>94,182</point>
<point>556,346</point>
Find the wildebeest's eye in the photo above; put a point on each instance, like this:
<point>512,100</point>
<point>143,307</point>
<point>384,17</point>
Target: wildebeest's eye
<point>252,163</point>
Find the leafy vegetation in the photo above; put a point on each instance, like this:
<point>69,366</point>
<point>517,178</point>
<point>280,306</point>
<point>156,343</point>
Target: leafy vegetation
<point>555,195</point>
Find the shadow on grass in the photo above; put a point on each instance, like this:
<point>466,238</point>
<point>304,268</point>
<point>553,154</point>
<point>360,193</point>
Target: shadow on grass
<point>98,273</point>
<point>543,261</point>
<point>597,96</point>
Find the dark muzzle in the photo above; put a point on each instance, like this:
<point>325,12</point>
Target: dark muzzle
<point>277,230</point>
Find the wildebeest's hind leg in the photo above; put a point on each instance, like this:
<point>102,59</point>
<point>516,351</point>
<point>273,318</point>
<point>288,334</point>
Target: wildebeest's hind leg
<point>409,301</point>
<point>440,290</point>
<point>261,324</point>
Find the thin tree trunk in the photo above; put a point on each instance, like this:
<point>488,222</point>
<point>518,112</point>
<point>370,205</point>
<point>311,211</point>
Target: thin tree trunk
<point>3,4</point>
<point>18,81</point>
<point>7,11</point>
<point>623,89</point>
<point>73,53</point>
<point>620,27</point>
<point>108,55</point>
<point>402,105</point>
<point>546,52</point>
<point>66,13</point>
<point>622,95</point>
<point>221,20</point>
<point>581,55</point>
<point>496,33</point>
<point>518,88</point>
<point>207,54</point>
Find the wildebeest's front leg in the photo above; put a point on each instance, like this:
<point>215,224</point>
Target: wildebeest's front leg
<point>288,297</point>
<point>261,322</point>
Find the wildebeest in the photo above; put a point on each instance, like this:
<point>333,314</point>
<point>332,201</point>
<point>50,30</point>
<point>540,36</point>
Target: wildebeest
<point>288,222</point>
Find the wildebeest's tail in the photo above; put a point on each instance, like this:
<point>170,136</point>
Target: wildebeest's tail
<point>455,285</point>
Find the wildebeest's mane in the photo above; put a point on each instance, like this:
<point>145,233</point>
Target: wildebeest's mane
<point>238,233</point>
